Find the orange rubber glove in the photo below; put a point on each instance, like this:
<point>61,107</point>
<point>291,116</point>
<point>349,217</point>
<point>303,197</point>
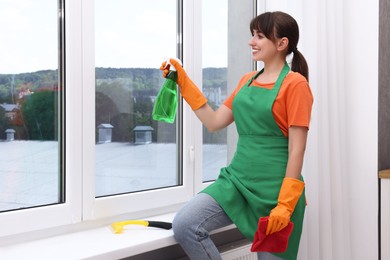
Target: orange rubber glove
<point>289,194</point>
<point>188,89</point>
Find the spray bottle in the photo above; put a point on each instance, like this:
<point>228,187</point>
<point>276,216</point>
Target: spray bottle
<point>165,105</point>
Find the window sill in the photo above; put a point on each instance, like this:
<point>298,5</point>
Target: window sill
<point>384,174</point>
<point>97,243</point>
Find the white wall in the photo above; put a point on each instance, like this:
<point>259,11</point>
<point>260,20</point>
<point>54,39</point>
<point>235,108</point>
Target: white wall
<point>361,77</point>
<point>346,150</point>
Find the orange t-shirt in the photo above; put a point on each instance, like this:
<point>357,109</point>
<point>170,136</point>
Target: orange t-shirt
<point>292,106</point>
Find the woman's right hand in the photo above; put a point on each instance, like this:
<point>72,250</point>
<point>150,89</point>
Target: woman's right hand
<point>165,68</point>
<point>212,120</point>
<point>188,89</point>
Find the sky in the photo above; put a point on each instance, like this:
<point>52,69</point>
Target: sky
<point>143,33</point>
<point>28,35</point>
<point>128,33</point>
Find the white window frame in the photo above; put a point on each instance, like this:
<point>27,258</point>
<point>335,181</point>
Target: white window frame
<point>193,65</point>
<point>81,204</point>
<point>134,204</point>
<point>41,218</point>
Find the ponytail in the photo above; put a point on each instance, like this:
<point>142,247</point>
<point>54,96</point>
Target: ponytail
<point>299,64</point>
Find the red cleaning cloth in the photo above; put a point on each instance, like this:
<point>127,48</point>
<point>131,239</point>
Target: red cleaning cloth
<point>274,243</point>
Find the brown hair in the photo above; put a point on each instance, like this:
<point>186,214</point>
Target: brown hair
<point>276,25</point>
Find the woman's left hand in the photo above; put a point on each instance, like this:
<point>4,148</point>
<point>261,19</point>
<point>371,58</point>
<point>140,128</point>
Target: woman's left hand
<point>289,194</point>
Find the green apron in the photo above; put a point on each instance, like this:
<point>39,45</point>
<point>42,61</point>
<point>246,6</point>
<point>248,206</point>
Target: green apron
<point>249,187</point>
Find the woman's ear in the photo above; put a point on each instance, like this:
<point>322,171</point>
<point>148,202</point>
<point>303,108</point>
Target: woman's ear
<point>282,44</point>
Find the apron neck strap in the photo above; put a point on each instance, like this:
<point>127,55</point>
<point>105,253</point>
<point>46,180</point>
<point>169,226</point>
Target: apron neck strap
<point>282,75</point>
<point>279,80</point>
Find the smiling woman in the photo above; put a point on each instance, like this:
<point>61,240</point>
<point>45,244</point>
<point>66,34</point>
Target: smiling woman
<point>113,51</point>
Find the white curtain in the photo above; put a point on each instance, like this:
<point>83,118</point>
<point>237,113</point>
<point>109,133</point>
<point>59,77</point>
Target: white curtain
<point>340,42</point>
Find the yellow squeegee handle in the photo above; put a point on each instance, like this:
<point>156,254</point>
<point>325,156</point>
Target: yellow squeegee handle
<point>117,227</point>
<point>134,222</point>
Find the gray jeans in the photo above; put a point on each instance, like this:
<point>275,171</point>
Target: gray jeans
<point>192,224</point>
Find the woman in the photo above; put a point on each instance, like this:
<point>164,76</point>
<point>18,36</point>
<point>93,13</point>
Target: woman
<point>271,110</point>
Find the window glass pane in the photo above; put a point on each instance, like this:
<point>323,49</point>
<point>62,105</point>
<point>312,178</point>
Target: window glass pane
<point>133,152</point>
<point>214,58</point>
<point>30,118</point>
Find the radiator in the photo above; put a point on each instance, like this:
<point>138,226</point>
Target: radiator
<point>239,253</point>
